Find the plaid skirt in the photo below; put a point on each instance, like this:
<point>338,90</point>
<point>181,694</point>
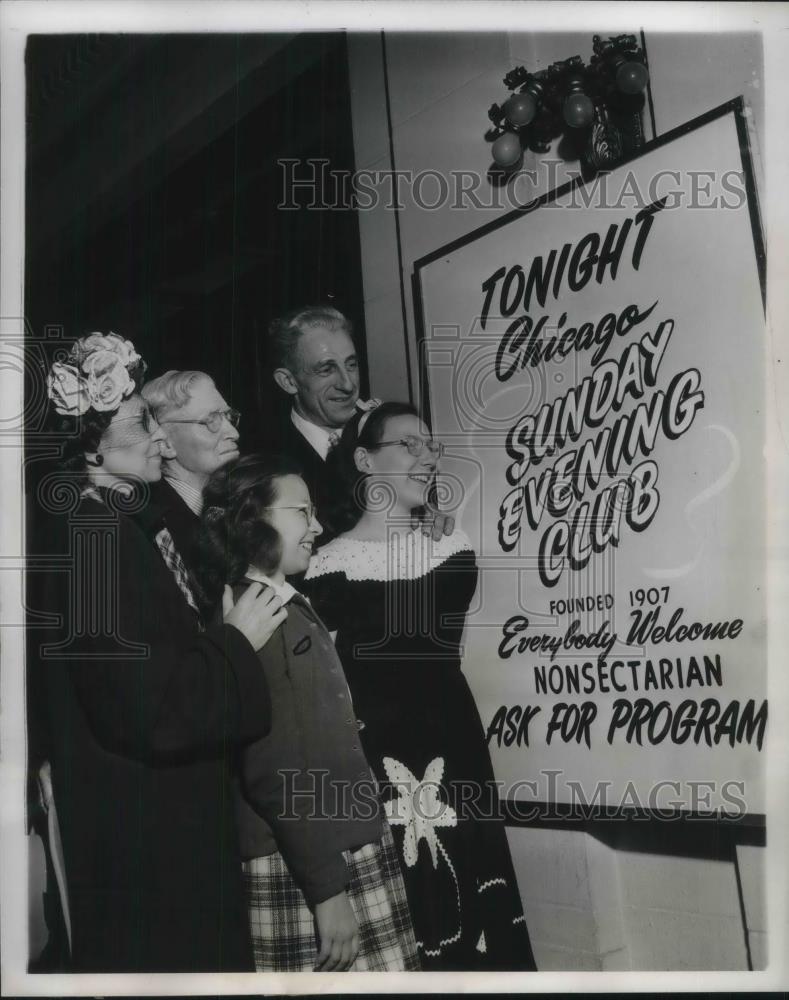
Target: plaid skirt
<point>283,927</point>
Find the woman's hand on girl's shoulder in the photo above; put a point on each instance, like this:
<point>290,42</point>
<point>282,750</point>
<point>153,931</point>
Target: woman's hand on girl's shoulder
<point>257,614</point>
<point>338,934</point>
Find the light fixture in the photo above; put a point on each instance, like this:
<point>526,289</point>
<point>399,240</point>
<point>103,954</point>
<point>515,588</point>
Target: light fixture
<point>596,107</point>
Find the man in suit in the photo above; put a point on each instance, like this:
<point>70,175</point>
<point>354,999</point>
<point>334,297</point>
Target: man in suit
<point>314,361</point>
<point>202,436</point>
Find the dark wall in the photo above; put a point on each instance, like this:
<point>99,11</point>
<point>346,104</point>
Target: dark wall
<point>152,194</point>
<point>151,199</point>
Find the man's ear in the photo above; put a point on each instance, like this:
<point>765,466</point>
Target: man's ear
<point>361,459</point>
<point>285,380</point>
<point>167,448</point>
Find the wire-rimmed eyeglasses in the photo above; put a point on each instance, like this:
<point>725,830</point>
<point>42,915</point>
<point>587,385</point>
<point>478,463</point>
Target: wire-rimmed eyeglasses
<point>416,445</point>
<point>309,510</point>
<point>213,422</point>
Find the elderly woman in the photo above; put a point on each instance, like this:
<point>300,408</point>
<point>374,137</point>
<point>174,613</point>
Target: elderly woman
<point>144,707</point>
<point>202,436</point>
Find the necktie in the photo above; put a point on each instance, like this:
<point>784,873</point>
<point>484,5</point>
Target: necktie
<point>175,564</point>
<point>334,439</point>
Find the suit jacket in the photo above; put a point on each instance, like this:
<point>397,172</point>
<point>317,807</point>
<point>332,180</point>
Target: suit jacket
<point>143,720</point>
<point>307,789</point>
<point>292,442</point>
<point>182,522</point>
<point>287,440</point>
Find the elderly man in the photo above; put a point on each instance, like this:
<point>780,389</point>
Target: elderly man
<point>314,361</point>
<point>201,437</point>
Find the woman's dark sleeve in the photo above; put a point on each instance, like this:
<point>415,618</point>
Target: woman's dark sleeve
<point>181,698</point>
<point>152,686</point>
<point>464,576</point>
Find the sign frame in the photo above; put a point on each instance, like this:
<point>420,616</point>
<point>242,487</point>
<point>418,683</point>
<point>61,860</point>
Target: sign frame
<point>539,812</point>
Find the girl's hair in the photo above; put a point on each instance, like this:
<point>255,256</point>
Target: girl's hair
<point>346,502</point>
<point>234,531</point>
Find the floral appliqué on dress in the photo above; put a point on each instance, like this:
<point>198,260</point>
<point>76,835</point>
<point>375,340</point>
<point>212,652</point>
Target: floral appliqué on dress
<point>419,808</point>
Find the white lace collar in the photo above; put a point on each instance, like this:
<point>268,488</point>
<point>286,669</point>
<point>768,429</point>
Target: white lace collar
<point>406,555</point>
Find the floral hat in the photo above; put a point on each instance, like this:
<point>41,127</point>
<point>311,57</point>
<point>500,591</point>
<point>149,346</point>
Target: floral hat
<point>99,373</point>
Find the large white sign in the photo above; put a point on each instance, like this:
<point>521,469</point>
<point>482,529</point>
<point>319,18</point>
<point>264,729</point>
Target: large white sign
<point>595,365</point>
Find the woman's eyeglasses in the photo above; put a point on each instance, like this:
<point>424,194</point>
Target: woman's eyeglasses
<point>416,445</point>
<point>309,510</point>
<point>213,421</point>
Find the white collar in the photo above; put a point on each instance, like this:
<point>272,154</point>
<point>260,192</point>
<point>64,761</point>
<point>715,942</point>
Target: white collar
<point>318,437</point>
<point>404,555</point>
<point>284,591</point>
<point>191,496</point>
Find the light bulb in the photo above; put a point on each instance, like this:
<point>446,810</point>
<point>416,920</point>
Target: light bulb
<point>632,77</point>
<point>520,109</point>
<point>578,110</point>
<point>506,150</point>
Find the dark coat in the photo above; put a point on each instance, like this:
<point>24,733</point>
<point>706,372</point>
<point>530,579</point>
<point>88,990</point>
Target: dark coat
<point>182,522</point>
<point>143,720</point>
<point>308,790</point>
<point>285,439</point>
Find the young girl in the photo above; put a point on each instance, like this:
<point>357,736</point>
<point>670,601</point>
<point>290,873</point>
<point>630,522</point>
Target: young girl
<point>322,877</point>
<point>398,601</point>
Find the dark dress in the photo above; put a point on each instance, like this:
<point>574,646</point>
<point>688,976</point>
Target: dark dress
<point>142,716</point>
<point>399,609</point>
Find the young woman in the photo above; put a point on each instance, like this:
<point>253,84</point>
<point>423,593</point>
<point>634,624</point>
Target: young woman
<point>142,706</point>
<point>321,873</point>
<point>398,601</point>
